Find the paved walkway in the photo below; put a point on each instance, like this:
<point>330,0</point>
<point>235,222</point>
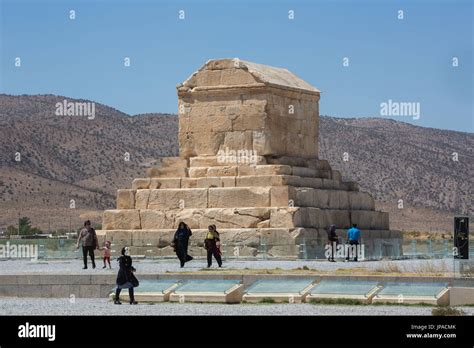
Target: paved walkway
<point>167,265</point>
<point>43,306</point>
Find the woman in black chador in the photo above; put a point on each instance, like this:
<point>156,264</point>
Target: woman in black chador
<point>180,243</point>
<point>125,277</point>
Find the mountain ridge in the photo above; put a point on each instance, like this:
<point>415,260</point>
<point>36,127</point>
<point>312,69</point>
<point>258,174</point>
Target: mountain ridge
<point>64,158</point>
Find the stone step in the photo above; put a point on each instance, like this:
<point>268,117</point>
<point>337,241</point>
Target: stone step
<point>244,241</point>
<point>243,218</point>
<point>245,157</point>
<point>243,181</point>
<point>321,198</point>
<point>322,218</point>
<point>227,159</point>
<point>230,197</point>
<point>167,172</point>
<point>265,169</point>
<point>299,162</point>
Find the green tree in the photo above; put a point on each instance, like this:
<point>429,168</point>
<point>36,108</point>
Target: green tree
<point>26,228</point>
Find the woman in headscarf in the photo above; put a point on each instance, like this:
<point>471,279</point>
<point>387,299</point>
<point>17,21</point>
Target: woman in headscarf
<point>180,243</point>
<point>212,245</point>
<point>125,277</point>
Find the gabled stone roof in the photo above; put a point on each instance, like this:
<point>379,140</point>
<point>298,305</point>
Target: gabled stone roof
<point>269,75</point>
<point>277,76</point>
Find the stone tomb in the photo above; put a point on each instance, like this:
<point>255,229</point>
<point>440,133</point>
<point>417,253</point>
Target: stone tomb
<point>248,163</point>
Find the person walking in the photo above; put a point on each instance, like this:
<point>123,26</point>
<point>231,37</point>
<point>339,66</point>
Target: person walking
<point>353,236</point>
<point>333,241</point>
<point>180,243</point>
<point>125,277</point>
<point>212,245</point>
<point>89,243</point>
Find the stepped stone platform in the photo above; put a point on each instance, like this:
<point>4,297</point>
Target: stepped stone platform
<point>248,163</point>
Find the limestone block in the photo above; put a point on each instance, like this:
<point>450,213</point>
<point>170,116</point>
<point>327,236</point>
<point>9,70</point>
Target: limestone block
<point>154,219</point>
<point>200,143</point>
<point>208,78</point>
<point>269,169</point>
<point>287,160</point>
<point>302,171</point>
<point>304,181</point>
<point>230,197</point>
<point>318,164</point>
<point>204,122</point>
<point>177,198</point>
<point>209,182</point>
<point>222,171</point>
<point>153,238</point>
<point>276,236</point>
<point>204,161</point>
<point>370,219</point>
<point>167,172</point>
<point>339,199</point>
<point>156,183</point>
<point>286,217</point>
<point>261,142</point>
<point>198,172</point>
<point>325,218</point>
<point>260,180</point>
<point>330,183</point>
<point>125,199</point>
<point>360,201</point>
<point>243,121</point>
<point>141,183</point>
<point>119,238</point>
<point>228,181</point>
<point>231,77</point>
<point>121,219</point>
<point>282,196</point>
<point>237,140</point>
<point>188,182</point>
<point>141,199</point>
<point>231,217</point>
<point>215,161</point>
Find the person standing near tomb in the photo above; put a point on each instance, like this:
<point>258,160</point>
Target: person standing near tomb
<point>212,245</point>
<point>180,243</point>
<point>333,241</point>
<point>353,237</point>
<point>125,277</point>
<point>89,243</point>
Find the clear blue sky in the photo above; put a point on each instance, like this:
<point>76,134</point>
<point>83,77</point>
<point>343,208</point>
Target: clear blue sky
<point>407,60</point>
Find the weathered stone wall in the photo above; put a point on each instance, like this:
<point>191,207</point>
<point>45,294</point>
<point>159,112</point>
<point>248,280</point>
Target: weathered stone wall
<point>226,107</point>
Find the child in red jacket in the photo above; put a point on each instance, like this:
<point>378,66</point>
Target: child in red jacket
<point>107,252</point>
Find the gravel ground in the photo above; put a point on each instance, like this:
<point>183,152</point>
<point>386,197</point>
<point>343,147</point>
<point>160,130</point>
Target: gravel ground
<point>36,306</point>
<point>163,266</point>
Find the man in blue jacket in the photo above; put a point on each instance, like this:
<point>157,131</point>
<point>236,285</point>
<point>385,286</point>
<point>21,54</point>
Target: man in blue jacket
<point>353,236</point>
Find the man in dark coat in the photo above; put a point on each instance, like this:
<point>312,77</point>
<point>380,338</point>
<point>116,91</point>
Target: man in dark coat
<point>125,277</point>
<point>180,243</point>
<point>89,243</point>
<point>333,241</point>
